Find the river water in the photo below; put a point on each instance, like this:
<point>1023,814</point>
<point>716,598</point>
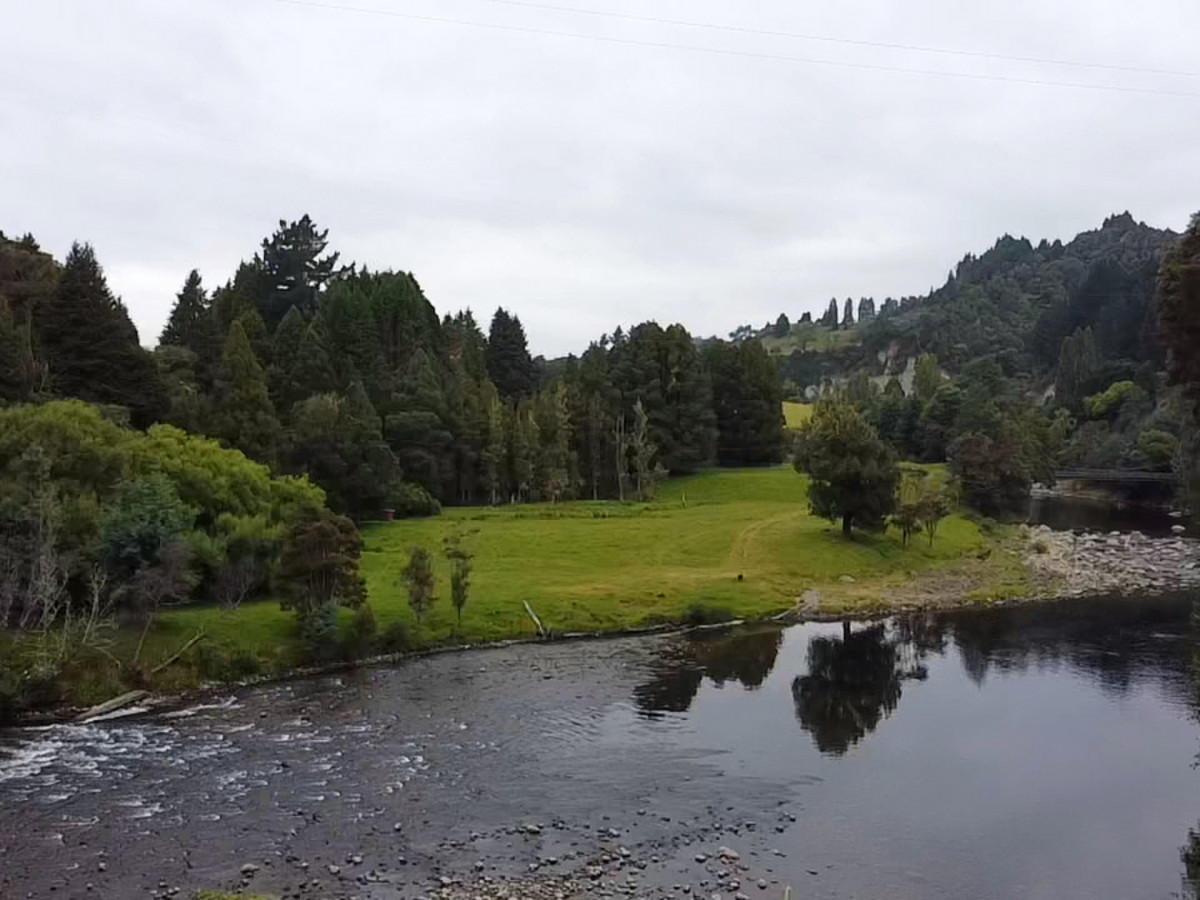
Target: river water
<point>1036,752</point>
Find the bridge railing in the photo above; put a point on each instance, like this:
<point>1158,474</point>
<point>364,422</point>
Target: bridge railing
<point>1116,475</point>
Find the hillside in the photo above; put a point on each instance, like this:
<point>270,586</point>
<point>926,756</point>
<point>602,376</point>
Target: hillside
<point>1017,302</point>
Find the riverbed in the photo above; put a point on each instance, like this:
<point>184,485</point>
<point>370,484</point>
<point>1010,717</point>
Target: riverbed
<point>1039,751</point>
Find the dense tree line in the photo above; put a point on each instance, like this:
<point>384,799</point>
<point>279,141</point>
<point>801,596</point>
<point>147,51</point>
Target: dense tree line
<point>349,376</point>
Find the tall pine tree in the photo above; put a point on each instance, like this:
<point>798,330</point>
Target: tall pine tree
<point>91,347</point>
<point>509,365</point>
<point>244,416</point>
<point>296,269</point>
<point>192,324</point>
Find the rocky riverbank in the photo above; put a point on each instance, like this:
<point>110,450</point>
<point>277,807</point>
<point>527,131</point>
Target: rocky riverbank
<point>1064,562</point>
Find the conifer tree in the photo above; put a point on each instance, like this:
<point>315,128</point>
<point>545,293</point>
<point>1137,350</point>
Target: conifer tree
<point>285,353</point>
<point>1179,287</point>
<point>244,416</point>
<point>296,269</point>
<point>352,334</point>
<point>311,372</point>
<point>747,398</point>
<point>193,325</point>
<point>830,319</point>
<point>91,346</point>
<point>848,315</point>
<point>509,365</point>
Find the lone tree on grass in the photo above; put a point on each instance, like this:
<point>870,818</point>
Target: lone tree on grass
<point>320,559</point>
<point>854,474</point>
<point>418,578</point>
<point>932,508</point>
<point>460,574</point>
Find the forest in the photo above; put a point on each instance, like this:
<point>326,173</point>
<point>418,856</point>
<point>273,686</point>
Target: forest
<point>295,401</point>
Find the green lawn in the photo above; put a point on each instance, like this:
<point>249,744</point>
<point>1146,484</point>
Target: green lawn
<point>587,566</point>
<point>596,566</point>
<point>815,338</point>
<point>796,414</point>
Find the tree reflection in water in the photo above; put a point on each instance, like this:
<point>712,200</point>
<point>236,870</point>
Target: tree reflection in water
<point>853,682</point>
<point>746,657</point>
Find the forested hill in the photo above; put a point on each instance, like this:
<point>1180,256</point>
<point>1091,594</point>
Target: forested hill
<point>1019,301</point>
<point>1016,302</point>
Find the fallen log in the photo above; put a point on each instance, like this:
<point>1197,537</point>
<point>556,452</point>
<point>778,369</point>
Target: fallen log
<point>112,705</point>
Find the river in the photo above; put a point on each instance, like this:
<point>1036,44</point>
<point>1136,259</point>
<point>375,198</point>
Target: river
<point>1035,752</point>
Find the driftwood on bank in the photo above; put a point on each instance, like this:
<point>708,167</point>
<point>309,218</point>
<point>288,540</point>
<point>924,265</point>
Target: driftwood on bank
<point>113,705</point>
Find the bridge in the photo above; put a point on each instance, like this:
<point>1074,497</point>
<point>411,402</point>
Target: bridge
<point>1117,476</point>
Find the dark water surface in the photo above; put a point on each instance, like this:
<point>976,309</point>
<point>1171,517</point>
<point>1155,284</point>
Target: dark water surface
<point>1074,513</point>
<point>1037,752</point>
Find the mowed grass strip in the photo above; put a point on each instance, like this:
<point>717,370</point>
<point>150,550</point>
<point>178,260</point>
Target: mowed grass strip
<point>587,566</point>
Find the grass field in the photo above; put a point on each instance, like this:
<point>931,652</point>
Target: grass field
<point>595,566</point>
<point>816,338</point>
<point>723,543</point>
<point>796,414</point>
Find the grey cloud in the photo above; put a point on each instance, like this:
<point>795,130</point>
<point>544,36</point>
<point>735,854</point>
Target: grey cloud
<point>584,184</point>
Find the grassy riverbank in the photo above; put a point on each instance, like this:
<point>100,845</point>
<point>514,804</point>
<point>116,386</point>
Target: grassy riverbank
<point>719,545</point>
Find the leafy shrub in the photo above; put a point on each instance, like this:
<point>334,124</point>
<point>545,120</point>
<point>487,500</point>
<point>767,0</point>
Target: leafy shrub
<point>226,664</point>
<point>411,501</point>
<point>359,639</point>
<point>10,696</point>
<point>394,639</point>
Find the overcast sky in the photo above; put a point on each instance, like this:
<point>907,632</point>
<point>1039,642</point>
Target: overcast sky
<point>585,183</point>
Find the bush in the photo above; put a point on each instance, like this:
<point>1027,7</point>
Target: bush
<point>10,696</point>
<point>394,639</point>
<point>359,639</point>
<point>225,664</point>
<point>701,613</point>
<point>411,501</point>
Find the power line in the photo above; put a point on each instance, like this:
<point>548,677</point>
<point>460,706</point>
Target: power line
<point>828,39</point>
<point>749,54</point>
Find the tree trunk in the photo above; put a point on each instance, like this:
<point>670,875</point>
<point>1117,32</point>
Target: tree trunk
<point>845,630</point>
<point>846,526</point>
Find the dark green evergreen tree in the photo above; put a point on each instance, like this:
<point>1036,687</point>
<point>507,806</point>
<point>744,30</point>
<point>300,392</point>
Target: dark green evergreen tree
<point>193,324</point>
<point>244,416</point>
<point>285,353</point>
<point>509,365</point>
<point>747,398</point>
<point>420,430</point>
<point>91,347</point>
<point>296,269</point>
<point>352,334</point>
<point>1179,307</point>
<point>854,474</point>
